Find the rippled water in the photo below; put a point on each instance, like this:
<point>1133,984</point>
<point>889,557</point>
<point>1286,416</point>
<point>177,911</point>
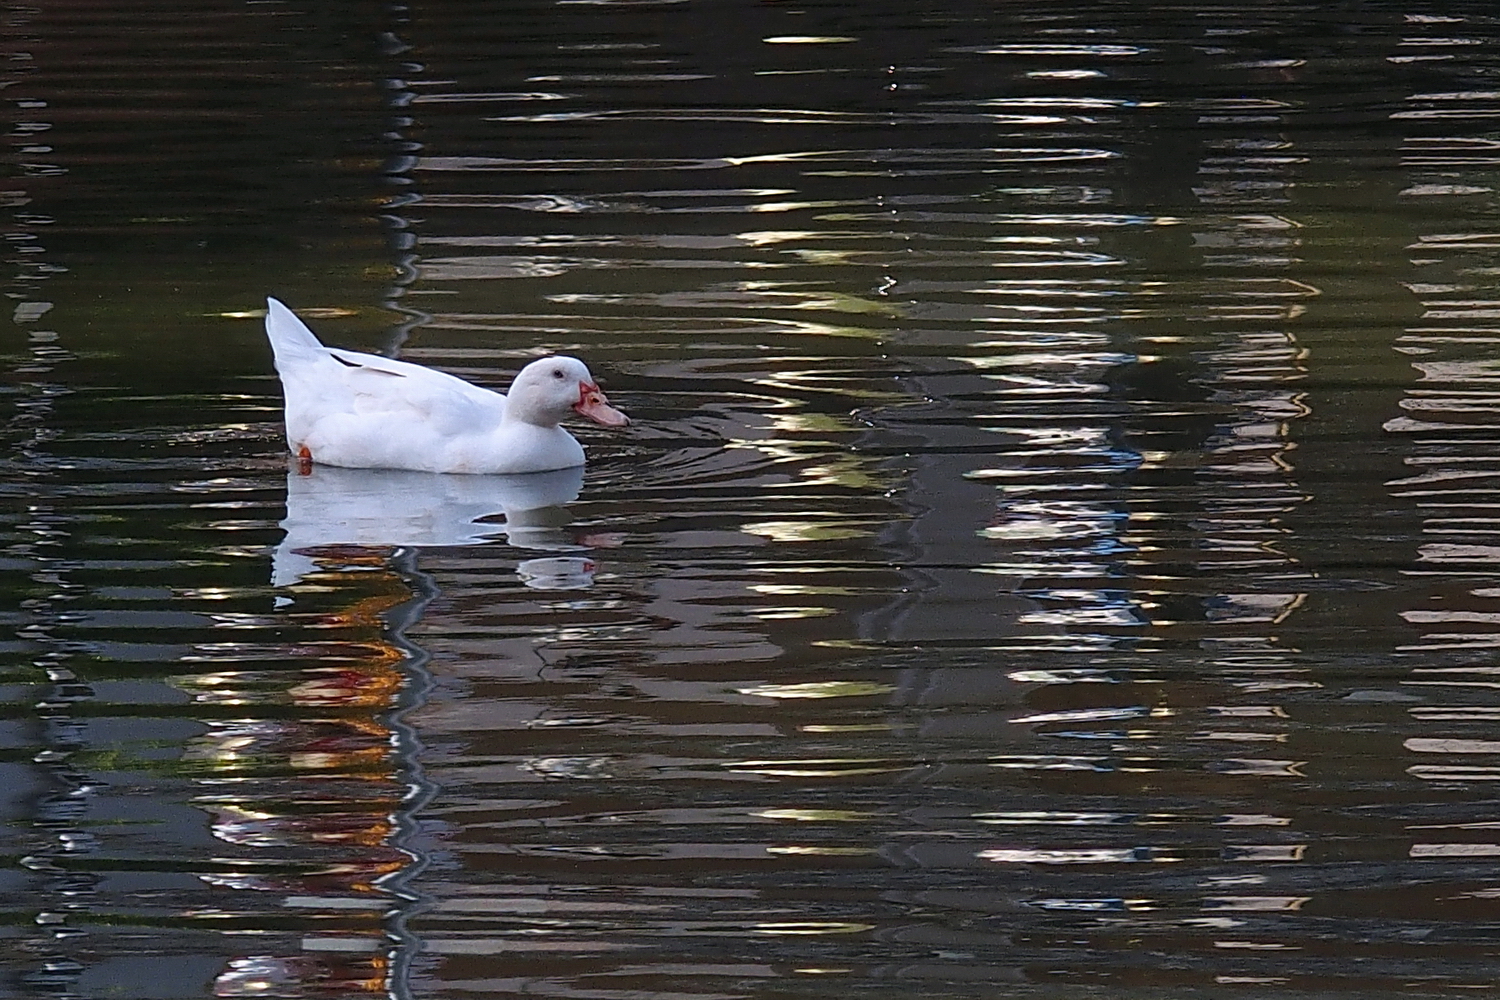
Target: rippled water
<point>1055,553</point>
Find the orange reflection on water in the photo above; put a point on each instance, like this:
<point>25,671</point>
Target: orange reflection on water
<point>306,796</point>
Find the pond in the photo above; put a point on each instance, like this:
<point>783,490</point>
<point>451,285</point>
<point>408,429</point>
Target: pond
<point>1056,551</point>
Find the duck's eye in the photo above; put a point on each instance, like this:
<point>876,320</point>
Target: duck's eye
<point>558,373</point>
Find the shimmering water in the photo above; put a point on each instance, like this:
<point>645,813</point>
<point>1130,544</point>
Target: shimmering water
<point>1057,552</point>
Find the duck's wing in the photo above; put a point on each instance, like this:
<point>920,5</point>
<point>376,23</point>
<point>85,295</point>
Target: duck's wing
<point>448,404</point>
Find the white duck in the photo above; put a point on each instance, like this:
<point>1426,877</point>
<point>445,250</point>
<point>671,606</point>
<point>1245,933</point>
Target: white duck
<point>367,412</point>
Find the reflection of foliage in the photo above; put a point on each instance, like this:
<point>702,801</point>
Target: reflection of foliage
<point>133,755</point>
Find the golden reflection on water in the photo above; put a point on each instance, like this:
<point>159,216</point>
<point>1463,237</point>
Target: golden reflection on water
<point>820,689</point>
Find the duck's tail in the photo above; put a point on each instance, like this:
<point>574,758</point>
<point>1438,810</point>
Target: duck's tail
<point>291,341</point>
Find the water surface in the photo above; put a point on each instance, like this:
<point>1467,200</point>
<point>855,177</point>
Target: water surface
<point>1055,553</point>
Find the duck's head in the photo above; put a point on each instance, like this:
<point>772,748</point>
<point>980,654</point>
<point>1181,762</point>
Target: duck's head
<point>549,390</point>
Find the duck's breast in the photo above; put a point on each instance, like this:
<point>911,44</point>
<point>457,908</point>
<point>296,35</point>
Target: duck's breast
<point>516,447</point>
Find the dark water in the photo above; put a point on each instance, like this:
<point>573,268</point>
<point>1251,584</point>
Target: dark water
<point>1056,553</point>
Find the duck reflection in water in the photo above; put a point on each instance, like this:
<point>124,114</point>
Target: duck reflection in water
<point>331,509</point>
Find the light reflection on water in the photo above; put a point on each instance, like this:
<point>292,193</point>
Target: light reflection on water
<point>1055,549</point>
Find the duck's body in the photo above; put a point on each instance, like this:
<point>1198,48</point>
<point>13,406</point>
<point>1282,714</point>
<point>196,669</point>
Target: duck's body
<point>363,411</point>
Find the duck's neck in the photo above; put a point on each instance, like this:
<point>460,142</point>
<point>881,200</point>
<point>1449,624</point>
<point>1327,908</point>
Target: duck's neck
<point>520,413</point>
